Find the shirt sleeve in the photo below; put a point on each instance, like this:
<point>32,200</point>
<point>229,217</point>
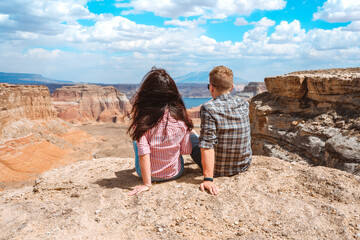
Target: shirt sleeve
<point>143,145</point>
<point>208,136</point>
<point>185,144</point>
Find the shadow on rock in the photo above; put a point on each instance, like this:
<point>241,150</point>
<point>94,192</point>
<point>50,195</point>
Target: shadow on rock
<point>125,179</point>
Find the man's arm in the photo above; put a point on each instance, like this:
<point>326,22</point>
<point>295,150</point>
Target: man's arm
<point>208,161</point>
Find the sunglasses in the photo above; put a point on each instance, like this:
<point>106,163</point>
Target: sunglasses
<point>209,86</point>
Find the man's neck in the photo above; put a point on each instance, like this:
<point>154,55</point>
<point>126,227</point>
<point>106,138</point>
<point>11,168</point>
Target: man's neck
<point>216,94</point>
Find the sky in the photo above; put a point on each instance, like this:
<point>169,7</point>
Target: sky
<point>118,41</point>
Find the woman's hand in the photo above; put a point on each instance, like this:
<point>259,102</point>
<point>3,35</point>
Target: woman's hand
<point>139,189</point>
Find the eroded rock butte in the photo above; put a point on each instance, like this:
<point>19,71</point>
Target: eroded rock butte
<point>90,103</point>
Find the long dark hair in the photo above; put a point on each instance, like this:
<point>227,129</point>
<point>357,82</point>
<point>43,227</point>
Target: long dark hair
<point>157,93</point>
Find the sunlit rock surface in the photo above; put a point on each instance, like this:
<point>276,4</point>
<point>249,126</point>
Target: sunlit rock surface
<point>90,103</point>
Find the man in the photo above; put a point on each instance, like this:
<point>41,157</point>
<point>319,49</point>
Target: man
<point>225,142</point>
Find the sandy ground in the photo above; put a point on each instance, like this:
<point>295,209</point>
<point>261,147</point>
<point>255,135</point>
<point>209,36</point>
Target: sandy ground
<point>274,199</point>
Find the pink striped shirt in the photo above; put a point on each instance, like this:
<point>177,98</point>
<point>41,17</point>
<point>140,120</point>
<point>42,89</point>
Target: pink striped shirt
<point>165,148</point>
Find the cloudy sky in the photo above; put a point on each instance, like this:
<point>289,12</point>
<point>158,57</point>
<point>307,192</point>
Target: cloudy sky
<point>117,41</point>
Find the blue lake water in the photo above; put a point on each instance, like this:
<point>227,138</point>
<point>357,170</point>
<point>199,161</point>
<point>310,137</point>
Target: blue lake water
<point>194,102</point>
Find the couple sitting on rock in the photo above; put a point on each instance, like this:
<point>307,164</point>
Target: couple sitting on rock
<point>162,131</point>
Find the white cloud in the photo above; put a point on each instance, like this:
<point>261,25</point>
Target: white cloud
<point>218,9</point>
<point>256,34</point>
<point>265,22</point>
<point>4,18</point>
<point>240,22</point>
<point>167,8</point>
<point>259,33</point>
<point>339,11</point>
<point>353,26</point>
<point>116,46</point>
<point>333,39</point>
<point>43,53</point>
<point>288,32</point>
<point>40,16</point>
<point>185,23</point>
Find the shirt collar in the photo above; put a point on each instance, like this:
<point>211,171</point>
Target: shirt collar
<point>223,96</point>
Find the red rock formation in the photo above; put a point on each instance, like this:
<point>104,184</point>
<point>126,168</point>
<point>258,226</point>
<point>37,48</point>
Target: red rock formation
<point>24,101</point>
<point>90,103</point>
<point>32,138</point>
<point>312,115</point>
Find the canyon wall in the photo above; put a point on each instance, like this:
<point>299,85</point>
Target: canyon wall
<point>90,103</point>
<point>24,101</point>
<point>32,138</point>
<point>310,115</point>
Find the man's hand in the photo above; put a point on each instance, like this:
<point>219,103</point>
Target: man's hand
<point>213,189</point>
<point>139,189</point>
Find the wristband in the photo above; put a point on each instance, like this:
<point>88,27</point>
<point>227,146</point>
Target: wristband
<point>208,179</point>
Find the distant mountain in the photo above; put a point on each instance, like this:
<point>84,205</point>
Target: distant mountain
<point>201,77</point>
<point>30,79</point>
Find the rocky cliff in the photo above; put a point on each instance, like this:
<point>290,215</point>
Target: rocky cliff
<point>32,138</point>
<point>274,199</point>
<point>24,101</point>
<point>255,87</point>
<point>310,115</point>
<point>90,103</point>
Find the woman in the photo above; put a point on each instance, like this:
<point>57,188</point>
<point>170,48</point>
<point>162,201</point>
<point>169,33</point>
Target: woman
<point>160,129</point>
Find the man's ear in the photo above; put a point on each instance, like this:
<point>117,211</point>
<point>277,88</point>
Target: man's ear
<point>232,87</point>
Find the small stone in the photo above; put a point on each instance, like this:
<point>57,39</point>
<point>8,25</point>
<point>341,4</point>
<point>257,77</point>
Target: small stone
<point>178,186</point>
<point>240,232</point>
<point>160,229</point>
<point>98,211</point>
<point>75,195</point>
<point>97,220</point>
<point>236,223</point>
<point>21,226</point>
<point>278,211</point>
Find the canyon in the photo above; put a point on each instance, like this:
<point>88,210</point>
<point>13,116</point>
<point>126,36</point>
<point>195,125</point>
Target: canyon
<point>74,153</point>
<point>310,115</point>
<point>85,104</point>
<point>32,138</point>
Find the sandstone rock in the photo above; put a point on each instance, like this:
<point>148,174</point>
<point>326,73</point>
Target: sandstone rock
<point>271,200</point>
<point>90,103</point>
<point>334,85</point>
<point>288,86</point>
<point>28,148</point>
<point>24,101</point>
<point>32,138</point>
<point>317,123</point>
<point>343,89</point>
<point>255,87</point>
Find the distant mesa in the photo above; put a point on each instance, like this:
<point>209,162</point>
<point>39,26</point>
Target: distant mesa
<point>29,79</point>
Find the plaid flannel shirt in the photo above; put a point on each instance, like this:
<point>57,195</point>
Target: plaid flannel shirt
<point>225,126</point>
